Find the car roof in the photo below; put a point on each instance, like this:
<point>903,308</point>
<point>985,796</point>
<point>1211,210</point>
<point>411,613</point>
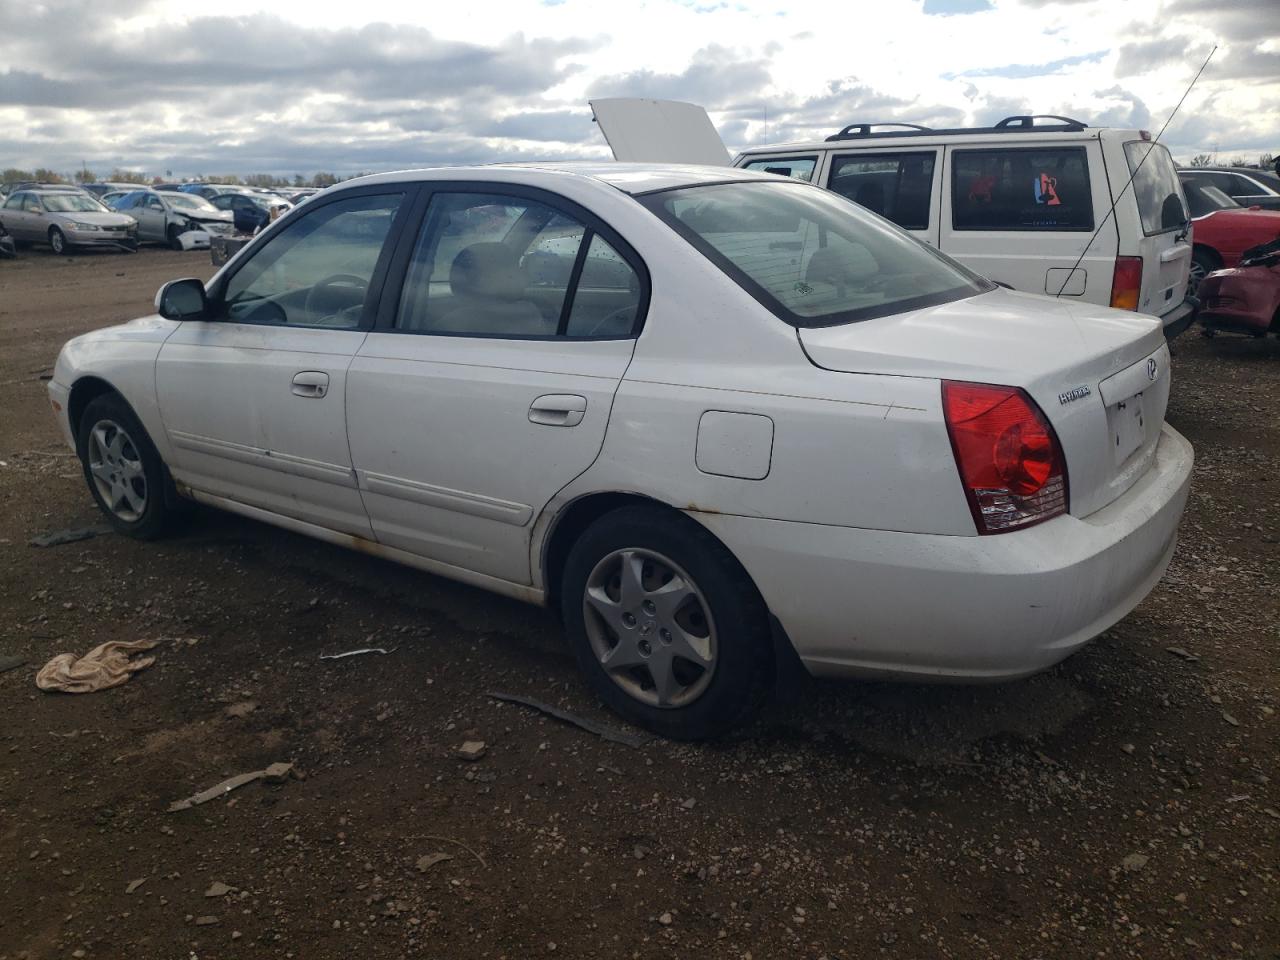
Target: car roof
<point>631,178</point>
<point>986,136</point>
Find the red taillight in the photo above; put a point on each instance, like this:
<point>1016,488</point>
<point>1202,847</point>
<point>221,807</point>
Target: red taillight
<point>1010,461</point>
<point>1126,283</point>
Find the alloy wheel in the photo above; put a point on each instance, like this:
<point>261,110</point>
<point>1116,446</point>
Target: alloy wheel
<point>116,468</point>
<point>650,627</point>
<point>57,241</point>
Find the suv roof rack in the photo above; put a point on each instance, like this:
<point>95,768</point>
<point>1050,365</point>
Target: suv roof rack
<point>1017,124</point>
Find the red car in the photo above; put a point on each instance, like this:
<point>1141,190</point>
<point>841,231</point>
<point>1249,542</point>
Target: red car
<point>1221,228</point>
<point>1246,298</point>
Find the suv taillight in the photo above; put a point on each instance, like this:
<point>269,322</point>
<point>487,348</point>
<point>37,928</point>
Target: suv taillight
<point>1126,283</point>
<point>1009,458</point>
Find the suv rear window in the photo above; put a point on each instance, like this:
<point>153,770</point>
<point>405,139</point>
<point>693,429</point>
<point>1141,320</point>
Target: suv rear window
<point>810,256</point>
<point>1155,187</point>
<point>895,185</point>
<point>1021,189</point>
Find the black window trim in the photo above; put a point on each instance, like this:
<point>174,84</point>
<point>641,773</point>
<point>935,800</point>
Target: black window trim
<point>652,201</point>
<point>1039,148</point>
<point>788,158</point>
<point>936,152</point>
<point>393,286</point>
<point>409,192</point>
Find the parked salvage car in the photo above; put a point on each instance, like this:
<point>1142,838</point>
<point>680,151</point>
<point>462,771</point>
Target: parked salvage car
<point>1023,202</point>
<point>1244,298</point>
<point>751,421</point>
<point>66,219</point>
<point>251,211</point>
<point>1223,229</point>
<point>163,216</point>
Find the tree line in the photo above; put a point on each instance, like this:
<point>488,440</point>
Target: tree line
<point>118,175</point>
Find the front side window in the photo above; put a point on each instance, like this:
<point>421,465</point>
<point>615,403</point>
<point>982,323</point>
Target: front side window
<point>1021,190</point>
<point>1155,187</point>
<point>31,203</point>
<point>316,272</point>
<point>896,186</point>
<point>491,265</point>
<point>797,168</point>
<point>15,201</point>
<point>811,256</point>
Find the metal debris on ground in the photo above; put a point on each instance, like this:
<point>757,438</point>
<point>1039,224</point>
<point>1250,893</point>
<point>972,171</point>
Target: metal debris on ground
<point>11,663</point>
<point>135,884</point>
<point>275,773</point>
<point>106,665</point>
<point>356,653</point>
<point>599,729</point>
<point>430,860</point>
<point>1183,654</point>
<point>57,538</point>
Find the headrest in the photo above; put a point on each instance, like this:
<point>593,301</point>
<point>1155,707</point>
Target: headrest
<point>487,270</point>
<point>837,266</point>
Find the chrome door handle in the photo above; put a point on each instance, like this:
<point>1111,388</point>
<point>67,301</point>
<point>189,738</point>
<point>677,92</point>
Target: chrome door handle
<point>558,410</point>
<point>310,383</point>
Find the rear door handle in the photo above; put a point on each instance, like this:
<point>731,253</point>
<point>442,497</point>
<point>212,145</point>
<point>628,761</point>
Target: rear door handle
<point>310,383</point>
<point>558,410</point>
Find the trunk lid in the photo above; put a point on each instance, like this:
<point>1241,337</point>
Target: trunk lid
<point>661,131</point>
<point>1101,376</point>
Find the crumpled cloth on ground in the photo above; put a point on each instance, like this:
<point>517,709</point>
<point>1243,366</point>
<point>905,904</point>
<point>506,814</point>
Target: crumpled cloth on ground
<point>105,666</point>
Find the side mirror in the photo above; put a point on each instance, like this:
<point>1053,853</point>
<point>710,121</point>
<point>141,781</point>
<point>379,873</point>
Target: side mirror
<point>182,300</point>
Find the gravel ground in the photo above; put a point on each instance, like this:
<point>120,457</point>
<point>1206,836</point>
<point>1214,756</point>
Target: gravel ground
<point>1124,804</point>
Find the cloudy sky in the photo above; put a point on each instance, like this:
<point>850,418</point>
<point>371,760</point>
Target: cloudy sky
<point>314,86</point>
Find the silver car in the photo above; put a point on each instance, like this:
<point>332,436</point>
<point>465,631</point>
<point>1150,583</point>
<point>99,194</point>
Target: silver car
<point>165,215</point>
<point>66,219</point>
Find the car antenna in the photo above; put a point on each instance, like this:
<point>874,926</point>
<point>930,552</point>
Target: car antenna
<point>1110,213</point>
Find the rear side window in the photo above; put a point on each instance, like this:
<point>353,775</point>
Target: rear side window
<point>1021,189</point>
<point>797,168</point>
<point>490,265</point>
<point>896,186</point>
<point>1155,186</point>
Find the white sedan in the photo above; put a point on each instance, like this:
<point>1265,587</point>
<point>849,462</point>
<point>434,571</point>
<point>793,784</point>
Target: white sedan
<point>717,419</point>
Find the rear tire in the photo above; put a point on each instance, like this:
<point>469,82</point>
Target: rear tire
<point>682,648</point>
<point>123,470</point>
<point>58,241</point>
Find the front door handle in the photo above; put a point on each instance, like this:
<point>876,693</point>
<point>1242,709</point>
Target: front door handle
<point>558,410</point>
<point>310,383</point>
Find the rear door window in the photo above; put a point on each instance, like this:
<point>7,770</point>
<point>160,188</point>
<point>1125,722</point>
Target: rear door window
<point>797,168</point>
<point>1021,190</point>
<point>1161,204</point>
<point>897,186</point>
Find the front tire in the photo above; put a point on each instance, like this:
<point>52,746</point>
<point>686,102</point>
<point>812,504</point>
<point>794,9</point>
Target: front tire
<point>58,241</point>
<point>125,474</point>
<point>666,625</point>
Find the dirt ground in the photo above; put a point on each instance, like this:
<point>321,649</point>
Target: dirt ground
<point>1125,804</point>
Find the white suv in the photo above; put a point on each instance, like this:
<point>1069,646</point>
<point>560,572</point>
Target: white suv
<point>1018,202</point>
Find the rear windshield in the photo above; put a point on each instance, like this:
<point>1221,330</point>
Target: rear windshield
<point>1203,198</point>
<point>1155,187</point>
<point>812,257</point>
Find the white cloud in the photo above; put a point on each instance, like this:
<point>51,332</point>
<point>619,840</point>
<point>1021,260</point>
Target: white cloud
<point>317,84</point>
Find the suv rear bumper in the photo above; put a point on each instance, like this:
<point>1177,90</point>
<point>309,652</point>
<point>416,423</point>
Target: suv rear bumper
<point>1180,317</point>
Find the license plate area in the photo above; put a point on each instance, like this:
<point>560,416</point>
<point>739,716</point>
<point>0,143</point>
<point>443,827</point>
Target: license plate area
<point>1127,425</point>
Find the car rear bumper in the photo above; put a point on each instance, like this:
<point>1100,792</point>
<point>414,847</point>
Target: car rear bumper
<point>879,603</point>
<point>1180,317</point>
